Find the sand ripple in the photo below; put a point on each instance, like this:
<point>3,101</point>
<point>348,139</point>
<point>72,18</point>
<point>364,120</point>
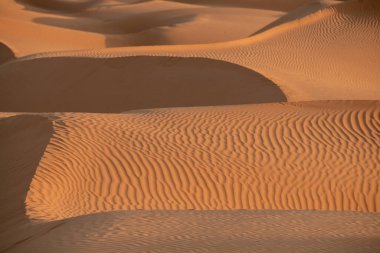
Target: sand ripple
<point>301,156</point>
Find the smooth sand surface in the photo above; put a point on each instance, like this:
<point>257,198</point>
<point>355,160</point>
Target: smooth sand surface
<point>189,126</point>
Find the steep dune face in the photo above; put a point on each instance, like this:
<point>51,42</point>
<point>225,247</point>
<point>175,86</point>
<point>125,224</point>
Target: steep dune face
<point>120,84</point>
<point>23,139</point>
<point>212,231</point>
<point>304,156</point>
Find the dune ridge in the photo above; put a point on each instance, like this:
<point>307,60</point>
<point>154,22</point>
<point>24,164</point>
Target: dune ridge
<point>302,156</point>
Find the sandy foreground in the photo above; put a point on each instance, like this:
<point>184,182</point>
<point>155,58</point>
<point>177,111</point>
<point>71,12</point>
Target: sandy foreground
<point>189,126</point>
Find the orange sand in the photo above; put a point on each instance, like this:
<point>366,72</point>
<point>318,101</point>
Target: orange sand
<point>189,126</point>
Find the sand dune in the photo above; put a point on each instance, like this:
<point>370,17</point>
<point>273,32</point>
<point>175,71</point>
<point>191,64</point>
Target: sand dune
<point>165,126</point>
<point>300,12</point>
<point>212,231</point>
<point>120,84</point>
<point>66,25</point>
<point>332,54</point>
<point>302,156</point>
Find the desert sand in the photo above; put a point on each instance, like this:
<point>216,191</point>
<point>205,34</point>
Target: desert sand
<point>189,126</point>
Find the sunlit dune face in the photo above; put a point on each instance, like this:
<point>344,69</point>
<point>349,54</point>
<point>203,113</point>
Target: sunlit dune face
<point>284,157</point>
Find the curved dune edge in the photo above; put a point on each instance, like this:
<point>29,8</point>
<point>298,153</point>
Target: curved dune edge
<point>121,84</point>
<point>23,139</point>
<point>6,54</point>
<point>297,156</point>
<point>211,231</point>
<point>305,69</point>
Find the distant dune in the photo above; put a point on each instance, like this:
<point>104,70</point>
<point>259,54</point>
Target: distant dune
<point>69,25</point>
<point>331,54</point>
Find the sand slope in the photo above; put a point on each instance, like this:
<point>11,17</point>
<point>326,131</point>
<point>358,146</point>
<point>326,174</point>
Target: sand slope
<point>332,54</point>
<point>212,231</point>
<point>120,84</point>
<point>302,156</point>
<point>23,140</point>
<point>66,25</point>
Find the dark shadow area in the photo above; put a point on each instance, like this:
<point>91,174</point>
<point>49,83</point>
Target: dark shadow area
<point>6,54</point>
<point>124,29</point>
<point>119,84</point>
<point>23,140</point>
<point>121,25</point>
<point>59,5</point>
